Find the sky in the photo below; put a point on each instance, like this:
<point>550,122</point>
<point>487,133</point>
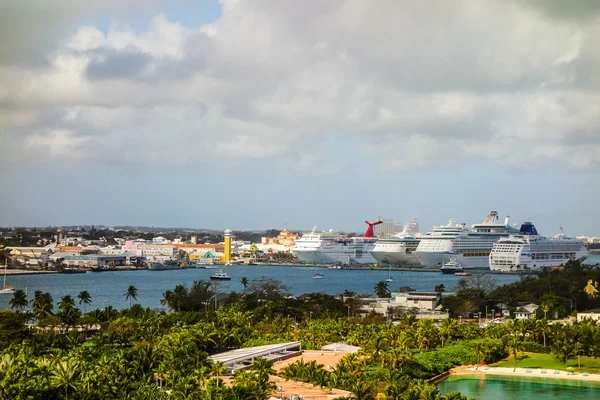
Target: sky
<point>256,114</point>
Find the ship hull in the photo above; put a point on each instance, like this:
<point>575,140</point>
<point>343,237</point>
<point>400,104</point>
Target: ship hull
<point>335,257</point>
<point>432,259</point>
<point>162,267</point>
<point>394,258</point>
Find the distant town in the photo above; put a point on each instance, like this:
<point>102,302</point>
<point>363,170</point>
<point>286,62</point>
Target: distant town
<point>385,243</point>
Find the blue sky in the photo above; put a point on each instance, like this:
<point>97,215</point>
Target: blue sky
<point>252,114</point>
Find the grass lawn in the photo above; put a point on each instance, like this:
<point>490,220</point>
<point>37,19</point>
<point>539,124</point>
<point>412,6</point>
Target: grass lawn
<point>550,362</point>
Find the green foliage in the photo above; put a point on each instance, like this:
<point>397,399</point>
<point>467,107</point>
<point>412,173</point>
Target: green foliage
<point>434,362</point>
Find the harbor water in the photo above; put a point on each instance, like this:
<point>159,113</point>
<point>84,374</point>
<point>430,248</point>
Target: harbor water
<point>108,288</point>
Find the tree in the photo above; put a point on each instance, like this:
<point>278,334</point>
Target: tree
<point>244,282</point>
<point>440,288</point>
<point>19,300</point>
<point>67,312</point>
<point>131,294</point>
<point>84,298</point>
<point>42,305</point>
<point>64,374</point>
<point>382,290</point>
<point>514,345</point>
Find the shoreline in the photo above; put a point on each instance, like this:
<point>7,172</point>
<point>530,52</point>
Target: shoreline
<point>520,372</point>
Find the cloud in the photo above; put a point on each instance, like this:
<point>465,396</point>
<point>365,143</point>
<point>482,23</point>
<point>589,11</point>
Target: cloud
<point>304,85</point>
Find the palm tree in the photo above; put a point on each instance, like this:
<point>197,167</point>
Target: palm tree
<point>263,367</point>
<point>514,345</point>
<point>448,327</point>
<point>244,282</point>
<point>42,305</point>
<point>131,294</point>
<point>218,368</point>
<point>84,298</point>
<point>382,290</point>
<point>64,375</point>
<point>19,300</point>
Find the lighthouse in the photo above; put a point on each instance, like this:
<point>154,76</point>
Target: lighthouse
<point>227,246</point>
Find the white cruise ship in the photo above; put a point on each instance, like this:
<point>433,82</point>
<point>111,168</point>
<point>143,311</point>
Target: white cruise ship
<point>527,250</point>
<point>398,249</point>
<point>330,247</point>
<point>469,247</point>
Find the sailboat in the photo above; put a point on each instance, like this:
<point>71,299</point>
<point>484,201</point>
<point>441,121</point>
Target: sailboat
<point>389,278</point>
<point>6,289</point>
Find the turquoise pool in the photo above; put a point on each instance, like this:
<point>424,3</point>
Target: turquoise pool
<point>512,388</point>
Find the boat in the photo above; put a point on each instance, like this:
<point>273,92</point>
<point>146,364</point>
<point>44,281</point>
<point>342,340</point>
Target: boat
<point>470,246</point>
<point>389,278</point>
<point>528,250</point>
<point>462,273</point>
<point>166,266</point>
<point>451,267</point>
<point>220,276</point>
<point>72,270</point>
<point>102,268</point>
<point>333,248</point>
<point>318,276</point>
<point>7,289</point>
<point>398,249</point>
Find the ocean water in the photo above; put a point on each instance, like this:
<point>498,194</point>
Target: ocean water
<point>512,388</point>
<point>108,288</point>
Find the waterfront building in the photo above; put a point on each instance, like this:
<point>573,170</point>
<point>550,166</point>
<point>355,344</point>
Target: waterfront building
<point>285,238</point>
<point>31,256</point>
<point>157,252</point>
<point>190,247</point>
<point>198,255</point>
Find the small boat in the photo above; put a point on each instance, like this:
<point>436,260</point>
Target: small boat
<point>451,267</point>
<point>462,273</point>
<point>103,268</point>
<point>318,276</point>
<point>6,289</point>
<point>71,270</point>
<point>389,278</point>
<point>220,276</point>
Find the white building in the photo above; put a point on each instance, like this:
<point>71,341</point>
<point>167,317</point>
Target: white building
<point>423,301</point>
<point>526,312</point>
<point>157,252</point>
<point>388,227</point>
<point>159,240</point>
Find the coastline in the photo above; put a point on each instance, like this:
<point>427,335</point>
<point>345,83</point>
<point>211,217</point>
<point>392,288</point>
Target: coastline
<point>520,372</point>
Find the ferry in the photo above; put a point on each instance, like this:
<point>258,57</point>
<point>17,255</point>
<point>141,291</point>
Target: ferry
<point>220,276</point>
<point>451,267</point>
<point>528,250</point>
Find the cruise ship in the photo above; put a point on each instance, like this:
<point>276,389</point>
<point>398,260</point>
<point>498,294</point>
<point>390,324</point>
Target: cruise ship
<point>330,247</point>
<point>398,249</point>
<point>527,250</point>
<point>469,247</point>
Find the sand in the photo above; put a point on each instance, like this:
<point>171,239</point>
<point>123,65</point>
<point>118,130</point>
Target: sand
<point>505,371</point>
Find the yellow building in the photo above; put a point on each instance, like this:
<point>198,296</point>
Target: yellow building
<point>284,238</point>
<point>227,246</point>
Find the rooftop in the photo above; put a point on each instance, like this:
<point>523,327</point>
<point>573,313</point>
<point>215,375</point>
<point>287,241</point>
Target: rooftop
<point>237,356</point>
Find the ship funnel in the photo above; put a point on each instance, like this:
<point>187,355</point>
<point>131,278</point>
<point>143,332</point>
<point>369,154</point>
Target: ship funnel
<point>369,232</point>
<point>506,220</point>
<point>528,229</point>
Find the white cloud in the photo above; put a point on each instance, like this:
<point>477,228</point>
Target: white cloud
<point>407,84</point>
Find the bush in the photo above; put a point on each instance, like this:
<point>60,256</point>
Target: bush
<point>434,362</point>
